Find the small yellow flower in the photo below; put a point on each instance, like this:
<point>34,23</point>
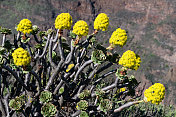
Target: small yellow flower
<point>155,93</point>
<point>130,60</point>
<point>70,67</point>
<point>118,37</point>
<point>63,21</point>
<point>25,26</point>
<point>101,22</point>
<point>121,90</point>
<point>21,57</point>
<point>81,28</point>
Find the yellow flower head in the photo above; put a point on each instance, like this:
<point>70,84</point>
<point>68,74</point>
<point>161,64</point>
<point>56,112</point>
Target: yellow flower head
<point>70,67</point>
<point>118,37</point>
<point>63,21</point>
<point>155,93</point>
<point>130,60</point>
<point>101,22</point>
<point>21,57</point>
<point>25,26</point>
<point>81,28</point>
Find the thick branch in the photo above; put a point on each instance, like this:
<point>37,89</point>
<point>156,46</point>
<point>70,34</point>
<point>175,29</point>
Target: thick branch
<point>127,105</point>
<point>50,54</point>
<point>81,68</point>
<point>50,82</point>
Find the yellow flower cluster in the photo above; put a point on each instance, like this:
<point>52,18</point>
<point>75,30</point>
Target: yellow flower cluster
<point>70,67</point>
<point>21,57</point>
<point>81,28</point>
<point>25,26</point>
<point>63,21</point>
<point>101,22</point>
<point>130,60</point>
<point>155,93</point>
<point>118,37</point>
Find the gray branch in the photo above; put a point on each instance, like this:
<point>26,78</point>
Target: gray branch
<point>81,68</point>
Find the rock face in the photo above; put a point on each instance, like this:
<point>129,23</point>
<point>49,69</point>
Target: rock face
<point>151,26</point>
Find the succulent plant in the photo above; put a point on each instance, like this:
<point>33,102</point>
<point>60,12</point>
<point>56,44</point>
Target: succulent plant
<point>105,105</point>
<point>49,31</point>
<point>45,96</point>
<point>17,103</point>
<point>48,110</point>
<point>35,29</point>
<point>84,114</point>
<point>99,93</point>
<point>82,105</point>
<point>5,31</point>
<point>84,94</point>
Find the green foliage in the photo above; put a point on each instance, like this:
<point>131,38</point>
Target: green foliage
<point>105,105</point>
<point>122,73</point>
<point>84,114</point>
<point>35,29</point>
<point>72,35</point>
<point>5,31</point>
<point>48,110</point>
<point>82,105</point>
<point>25,40</point>
<point>61,90</point>
<point>45,96</point>
<point>1,60</point>
<point>100,93</point>
<point>84,94</point>
<point>98,56</point>
<point>17,103</point>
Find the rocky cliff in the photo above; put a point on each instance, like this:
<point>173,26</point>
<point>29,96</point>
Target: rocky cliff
<point>151,26</point>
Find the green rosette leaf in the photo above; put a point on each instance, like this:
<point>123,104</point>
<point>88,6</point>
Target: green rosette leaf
<point>100,93</point>
<point>48,110</point>
<point>72,35</point>
<point>84,94</point>
<point>35,29</point>
<point>82,105</point>
<point>84,114</point>
<point>5,31</point>
<point>45,96</point>
<point>17,103</point>
<point>105,105</point>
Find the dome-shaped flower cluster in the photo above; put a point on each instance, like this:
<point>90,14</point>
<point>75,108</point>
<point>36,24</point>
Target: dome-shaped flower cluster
<point>81,28</point>
<point>25,26</point>
<point>63,21</point>
<point>130,60</point>
<point>21,57</point>
<point>155,93</point>
<point>118,37</point>
<point>101,22</point>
